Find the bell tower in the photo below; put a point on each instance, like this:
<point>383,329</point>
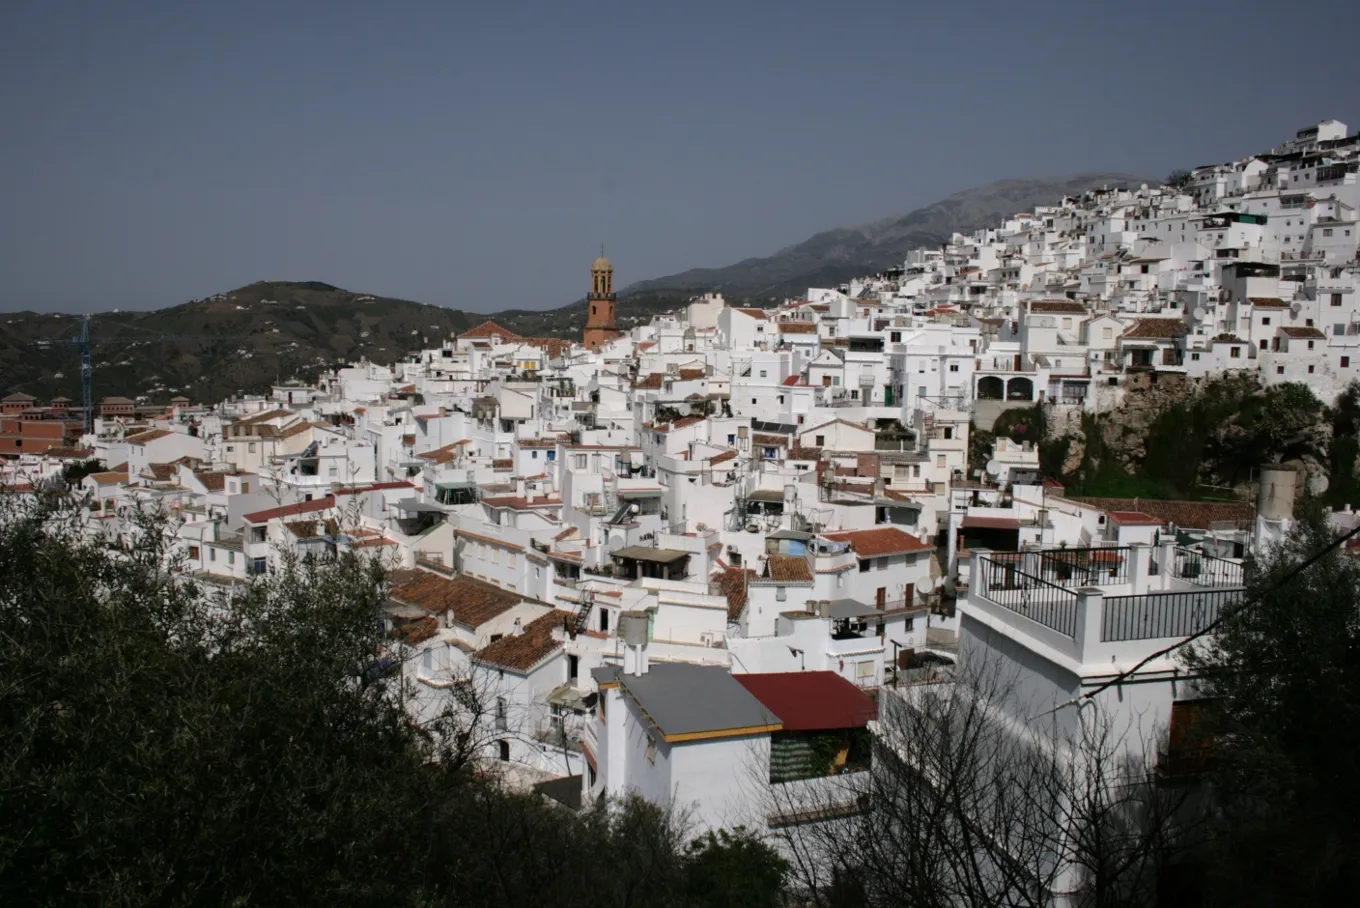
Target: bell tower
<point>600,305</point>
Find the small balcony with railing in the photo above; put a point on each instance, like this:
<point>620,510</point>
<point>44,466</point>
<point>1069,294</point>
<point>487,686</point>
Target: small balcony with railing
<point>1108,606</point>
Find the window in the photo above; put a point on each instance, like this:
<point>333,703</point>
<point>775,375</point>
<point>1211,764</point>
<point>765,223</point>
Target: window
<point>864,670</point>
<point>939,460</point>
<point>1326,231</point>
<point>948,432</point>
<point>258,567</point>
<point>1279,370</point>
<point>501,717</point>
<point>604,620</point>
<point>731,439</point>
<point>552,455</point>
<point>953,367</point>
<point>864,565</point>
<point>781,594</point>
<point>1310,370</point>
<point>193,549</point>
<point>212,554</point>
<point>1106,333</point>
<point>533,455</point>
<point>820,441</point>
<point>1336,299</point>
<point>1339,329</point>
<point>753,400</point>
<point>231,557</point>
<point>1265,344</point>
<point>503,751</point>
<point>252,447</point>
<point>1310,345</point>
<point>1345,362</point>
<point>762,373</point>
<point>495,637</point>
<point>1265,321</point>
<point>882,564</point>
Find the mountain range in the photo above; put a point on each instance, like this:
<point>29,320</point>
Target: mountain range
<point>245,339</point>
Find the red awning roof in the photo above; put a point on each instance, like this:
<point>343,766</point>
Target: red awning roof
<point>811,701</point>
<point>990,523</point>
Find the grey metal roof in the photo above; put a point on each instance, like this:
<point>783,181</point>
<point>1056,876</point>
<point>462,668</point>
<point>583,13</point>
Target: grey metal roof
<point>791,534</point>
<point>687,699</point>
<point>850,608</point>
<point>647,553</point>
<point>419,507</point>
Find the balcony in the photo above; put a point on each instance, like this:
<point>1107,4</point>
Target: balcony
<point>1101,606</point>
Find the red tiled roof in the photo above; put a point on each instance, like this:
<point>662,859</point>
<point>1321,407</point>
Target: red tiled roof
<point>1156,329</point>
<point>1301,333</point>
<point>1192,515</point>
<point>788,569</point>
<point>490,329</point>
<point>754,313</point>
<point>1268,302</point>
<point>771,440</point>
<point>880,541</point>
<point>291,510</point>
<point>1068,307</point>
<point>142,438</point>
<point>1133,518</point>
<point>797,328</point>
<point>522,652</point>
<point>651,382</point>
<point>417,631</point>
<point>811,701</point>
<point>733,583</point>
<point>472,602</point>
<point>725,455</point>
<point>791,381</point>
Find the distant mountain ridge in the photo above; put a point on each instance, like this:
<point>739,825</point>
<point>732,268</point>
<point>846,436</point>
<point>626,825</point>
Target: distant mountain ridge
<point>834,256</point>
<point>278,329</point>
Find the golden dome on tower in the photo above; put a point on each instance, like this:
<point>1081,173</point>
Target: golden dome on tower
<point>602,264</point>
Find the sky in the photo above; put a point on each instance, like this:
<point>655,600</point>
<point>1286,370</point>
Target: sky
<point>478,154</point>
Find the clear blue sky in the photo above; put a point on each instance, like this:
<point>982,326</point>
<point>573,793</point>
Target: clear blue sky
<point>476,154</point>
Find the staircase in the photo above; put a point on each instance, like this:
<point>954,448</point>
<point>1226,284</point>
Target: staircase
<point>582,614</point>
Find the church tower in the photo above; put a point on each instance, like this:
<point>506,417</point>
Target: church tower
<point>600,306</point>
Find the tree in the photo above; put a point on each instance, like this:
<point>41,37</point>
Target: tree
<point>1179,179</point>
<point>1284,727</point>
<point>169,743</point>
<point>966,810</point>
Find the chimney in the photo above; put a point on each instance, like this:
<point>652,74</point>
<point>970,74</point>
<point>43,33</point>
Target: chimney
<point>518,628</point>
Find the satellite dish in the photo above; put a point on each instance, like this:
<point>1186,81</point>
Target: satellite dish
<point>1296,308</point>
<point>1199,313</point>
<point>994,467</point>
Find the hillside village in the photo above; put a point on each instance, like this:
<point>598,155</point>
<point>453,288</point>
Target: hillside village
<point>734,530</point>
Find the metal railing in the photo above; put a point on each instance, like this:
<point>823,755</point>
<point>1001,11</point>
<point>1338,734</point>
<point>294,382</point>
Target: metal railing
<point>1206,570</point>
<point>1036,599</point>
<point>1086,566</point>
<point>1157,615</point>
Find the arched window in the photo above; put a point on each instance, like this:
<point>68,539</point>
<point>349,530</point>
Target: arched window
<point>504,748</point>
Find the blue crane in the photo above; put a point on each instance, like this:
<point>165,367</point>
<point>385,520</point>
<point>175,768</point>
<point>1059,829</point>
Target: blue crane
<point>86,343</point>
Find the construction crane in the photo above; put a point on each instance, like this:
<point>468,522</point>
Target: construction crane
<point>86,343</point>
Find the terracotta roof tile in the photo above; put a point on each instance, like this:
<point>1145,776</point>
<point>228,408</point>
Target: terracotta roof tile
<point>1195,515</point>
<point>1308,333</point>
<point>1066,307</point>
<point>291,510</point>
<point>1156,329</point>
<point>651,382</point>
<point>490,329</point>
<point>142,438</point>
<point>880,541</point>
<point>797,328</point>
<point>522,652</point>
<point>788,569</point>
<point>733,584</point>
<point>472,602</point>
<point>1268,302</point>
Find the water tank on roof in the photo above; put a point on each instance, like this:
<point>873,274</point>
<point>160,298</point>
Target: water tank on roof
<point>633,628</point>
